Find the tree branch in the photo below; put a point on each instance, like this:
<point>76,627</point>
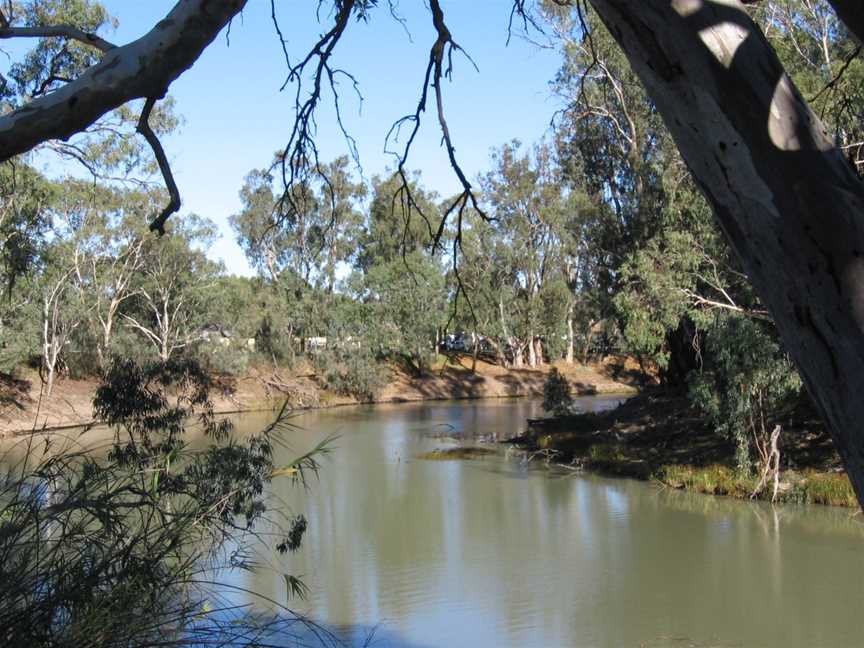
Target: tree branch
<point>158,224</point>
<point>57,31</point>
<point>143,68</point>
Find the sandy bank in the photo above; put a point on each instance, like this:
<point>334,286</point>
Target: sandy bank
<point>25,408</point>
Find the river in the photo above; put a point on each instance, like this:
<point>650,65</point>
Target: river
<point>494,552</point>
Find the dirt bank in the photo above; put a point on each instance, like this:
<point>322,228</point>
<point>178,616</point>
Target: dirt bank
<point>660,436</point>
<point>23,406</point>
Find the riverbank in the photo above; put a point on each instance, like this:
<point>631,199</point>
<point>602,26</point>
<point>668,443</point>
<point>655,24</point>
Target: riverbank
<point>24,407</point>
<point>659,436</point>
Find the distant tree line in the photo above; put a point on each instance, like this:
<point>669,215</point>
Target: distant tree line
<point>594,239</point>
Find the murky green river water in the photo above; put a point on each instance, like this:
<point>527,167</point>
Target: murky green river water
<point>491,552</point>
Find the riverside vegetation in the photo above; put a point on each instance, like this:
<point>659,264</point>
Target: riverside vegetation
<point>664,436</point>
<point>596,239</point>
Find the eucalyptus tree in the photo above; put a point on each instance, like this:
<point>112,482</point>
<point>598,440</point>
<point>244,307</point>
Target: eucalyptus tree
<point>65,285</point>
<point>485,280</point>
<point>531,209</point>
<point>62,313</point>
<point>299,243</point>
<point>783,192</point>
<point>168,306</point>
<point>400,220</point>
<point>310,233</point>
<point>117,256</point>
<point>25,197</point>
<point>404,302</point>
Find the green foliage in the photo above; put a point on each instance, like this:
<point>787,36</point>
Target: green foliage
<point>223,359</point>
<point>52,58</point>
<point>711,480</point>
<point>118,549</point>
<point>832,489</point>
<point>400,221</point>
<point>747,378</point>
<point>350,370</point>
<point>24,198</point>
<point>403,304</point>
<point>557,398</point>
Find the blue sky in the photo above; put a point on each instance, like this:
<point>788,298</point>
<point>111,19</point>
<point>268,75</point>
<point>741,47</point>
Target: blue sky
<point>235,117</point>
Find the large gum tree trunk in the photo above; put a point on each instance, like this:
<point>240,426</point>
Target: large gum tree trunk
<point>788,202</point>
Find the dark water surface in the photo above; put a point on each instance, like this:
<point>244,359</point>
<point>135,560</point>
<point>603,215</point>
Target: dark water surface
<point>491,552</point>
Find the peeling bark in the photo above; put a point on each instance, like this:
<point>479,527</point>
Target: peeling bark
<point>789,203</point>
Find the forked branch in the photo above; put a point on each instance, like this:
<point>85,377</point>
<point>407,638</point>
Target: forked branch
<point>439,66</point>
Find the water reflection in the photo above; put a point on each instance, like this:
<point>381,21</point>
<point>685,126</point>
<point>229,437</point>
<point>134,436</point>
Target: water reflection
<point>490,553</point>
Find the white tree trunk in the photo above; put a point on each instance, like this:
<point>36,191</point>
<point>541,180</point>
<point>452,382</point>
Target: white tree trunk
<point>518,353</point>
<point>789,203</point>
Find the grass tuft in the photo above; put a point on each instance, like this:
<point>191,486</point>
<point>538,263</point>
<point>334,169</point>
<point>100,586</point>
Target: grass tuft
<point>468,452</point>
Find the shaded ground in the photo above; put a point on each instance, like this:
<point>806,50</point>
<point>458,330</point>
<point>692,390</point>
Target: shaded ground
<point>659,435</point>
<point>23,406</point>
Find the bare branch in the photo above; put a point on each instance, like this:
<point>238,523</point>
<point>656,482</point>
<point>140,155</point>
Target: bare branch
<point>300,154</point>
<point>699,300</point>
<point>442,50</point>
<point>837,77</point>
<point>55,31</point>
<point>158,224</point>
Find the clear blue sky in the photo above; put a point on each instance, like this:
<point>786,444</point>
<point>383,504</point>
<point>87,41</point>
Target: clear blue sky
<point>235,117</point>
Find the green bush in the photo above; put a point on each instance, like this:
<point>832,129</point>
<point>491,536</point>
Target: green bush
<point>556,394</point>
<point>350,371</point>
<point>118,548</point>
<point>749,377</point>
<point>228,360</point>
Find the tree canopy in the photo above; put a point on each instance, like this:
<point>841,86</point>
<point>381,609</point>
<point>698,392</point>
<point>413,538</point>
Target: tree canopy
<point>782,185</point>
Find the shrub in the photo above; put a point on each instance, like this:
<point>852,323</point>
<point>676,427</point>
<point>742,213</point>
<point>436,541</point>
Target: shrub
<point>833,489</point>
<point>350,372</point>
<point>119,548</point>
<point>223,360</point>
<point>556,394</point>
<point>748,378</point>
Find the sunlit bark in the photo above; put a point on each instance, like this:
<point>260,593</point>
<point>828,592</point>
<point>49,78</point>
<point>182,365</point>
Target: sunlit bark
<point>788,201</point>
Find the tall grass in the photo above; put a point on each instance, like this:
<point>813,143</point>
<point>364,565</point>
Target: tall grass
<point>831,488</point>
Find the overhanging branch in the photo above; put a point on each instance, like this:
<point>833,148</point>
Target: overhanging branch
<point>57,31</point>
<point>143,68</point>
<point>158,224</point>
